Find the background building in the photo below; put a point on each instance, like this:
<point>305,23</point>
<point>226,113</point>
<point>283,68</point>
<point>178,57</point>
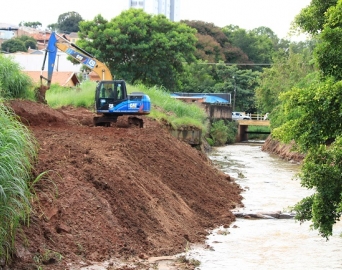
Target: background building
<point>169,8</point>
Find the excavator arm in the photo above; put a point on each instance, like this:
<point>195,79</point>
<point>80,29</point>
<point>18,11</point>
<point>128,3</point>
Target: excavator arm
<point>75,52</point>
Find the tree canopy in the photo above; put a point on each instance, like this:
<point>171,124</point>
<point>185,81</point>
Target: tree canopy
<point>68,22</point>
<point>139,47</point>
<point>31,24</point>
<point>13,45</point>
<point>19,44</point>
<point>312,19</point>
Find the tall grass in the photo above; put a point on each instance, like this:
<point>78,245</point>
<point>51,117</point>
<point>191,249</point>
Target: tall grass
<point>18,150</point>
<point>176,112</point>
<point>13,82</point>
<point>83,96</point>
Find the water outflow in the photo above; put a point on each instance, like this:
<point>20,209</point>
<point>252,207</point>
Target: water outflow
<point>269,186</point>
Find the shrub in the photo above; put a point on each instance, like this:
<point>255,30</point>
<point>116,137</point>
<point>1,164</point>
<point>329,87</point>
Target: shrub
<point>222,132</point>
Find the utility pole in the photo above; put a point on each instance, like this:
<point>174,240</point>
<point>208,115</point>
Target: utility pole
<point>234,94</point>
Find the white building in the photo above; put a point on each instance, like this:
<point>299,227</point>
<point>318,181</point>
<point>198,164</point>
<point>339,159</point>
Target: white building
<point>169,8</point>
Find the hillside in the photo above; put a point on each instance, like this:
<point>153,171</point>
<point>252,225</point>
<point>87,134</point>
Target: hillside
<point>116,192</point>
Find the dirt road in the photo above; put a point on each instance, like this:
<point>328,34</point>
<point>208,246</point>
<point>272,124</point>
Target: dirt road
<point>116,192</point>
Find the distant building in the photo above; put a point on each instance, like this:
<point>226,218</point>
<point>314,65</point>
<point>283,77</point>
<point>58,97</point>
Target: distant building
<point>169,8</point>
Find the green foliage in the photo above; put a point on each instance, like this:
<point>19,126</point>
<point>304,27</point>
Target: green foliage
<point>328,52</point>
<point>28,41</point>
<point>256,136</point>
<point>198,78</point>
<point>313,114</point>
<point>258,44</point>
<point>21,43</point>
<point>222,132</point>
<point>140,47</point>
<point>287,71</point>
<point>13,45</point>
<point>18,150</point>
<point>312,18</point>
<point>321,172</point>
<point>53,27</point>
<point>31,24</point>
<point>13,82</point>
<point>68,22</point>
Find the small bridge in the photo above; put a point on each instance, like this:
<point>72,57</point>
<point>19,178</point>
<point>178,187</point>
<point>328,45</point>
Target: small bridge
<point>243,128</point>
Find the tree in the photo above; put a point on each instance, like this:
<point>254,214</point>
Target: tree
<point>29,42</point>
<point>13,45</point>
<point>288,70</point>
<point>312,19</point>
<point>69,22</point>
<point>140,47</point>
<point>242,82</point>
<point>53,27</point>
<point>328,51</point>
<point>198,77</point>
<point>20,44</point>
<point>31,24</point>
<point>213,45</point>
<point>313,116</point>
<point>257,44</point>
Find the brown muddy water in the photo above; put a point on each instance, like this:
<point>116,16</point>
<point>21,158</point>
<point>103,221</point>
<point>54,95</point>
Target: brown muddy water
<point>270,186</point>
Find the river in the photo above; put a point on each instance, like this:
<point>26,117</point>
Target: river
<point>269,185</point>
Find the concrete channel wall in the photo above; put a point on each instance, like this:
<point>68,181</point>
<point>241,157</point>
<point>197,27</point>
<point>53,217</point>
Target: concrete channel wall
<point>192,135</point>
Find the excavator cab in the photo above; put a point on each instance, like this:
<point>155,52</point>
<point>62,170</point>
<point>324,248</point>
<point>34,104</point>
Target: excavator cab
<point>110,94</point>
<point>112,101</point>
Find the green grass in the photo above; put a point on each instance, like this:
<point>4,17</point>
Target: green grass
<point>18,150</point>
<point>83,96</point>
<point>176,112</point>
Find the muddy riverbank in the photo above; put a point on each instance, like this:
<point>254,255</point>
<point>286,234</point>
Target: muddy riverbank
<point>284,151</point>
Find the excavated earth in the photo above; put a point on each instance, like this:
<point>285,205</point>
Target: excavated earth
<point>115,192</point>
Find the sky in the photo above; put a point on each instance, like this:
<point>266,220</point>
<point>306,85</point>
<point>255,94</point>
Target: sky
<point>247,14</point>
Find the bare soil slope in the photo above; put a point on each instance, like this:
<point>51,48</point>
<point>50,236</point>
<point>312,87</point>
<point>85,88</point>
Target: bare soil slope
<point>117,191</point>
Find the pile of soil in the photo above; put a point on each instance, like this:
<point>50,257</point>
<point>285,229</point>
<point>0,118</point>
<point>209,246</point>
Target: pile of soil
<point>116,191</point>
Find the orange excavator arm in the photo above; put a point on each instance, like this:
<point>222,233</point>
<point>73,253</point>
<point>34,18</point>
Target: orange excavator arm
<point>75,52</point>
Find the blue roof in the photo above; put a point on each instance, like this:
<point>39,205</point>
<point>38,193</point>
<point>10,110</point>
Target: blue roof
<point>214,99</point>
<point>207,98</point>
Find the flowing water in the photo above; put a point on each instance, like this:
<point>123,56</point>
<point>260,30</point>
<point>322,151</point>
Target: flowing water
<point>269,186</point>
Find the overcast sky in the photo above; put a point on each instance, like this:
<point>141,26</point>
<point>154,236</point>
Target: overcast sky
<point>247,14</point>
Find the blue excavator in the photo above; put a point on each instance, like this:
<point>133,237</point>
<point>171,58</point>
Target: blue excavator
<point>111,97</point>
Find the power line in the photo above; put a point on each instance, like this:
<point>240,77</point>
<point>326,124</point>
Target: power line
<point>237,64</point>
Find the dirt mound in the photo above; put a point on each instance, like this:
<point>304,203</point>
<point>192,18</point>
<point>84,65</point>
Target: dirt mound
<point>116,191</point>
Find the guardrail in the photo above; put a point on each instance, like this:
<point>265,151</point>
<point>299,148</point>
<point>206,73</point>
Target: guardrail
<point>258,116</point>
